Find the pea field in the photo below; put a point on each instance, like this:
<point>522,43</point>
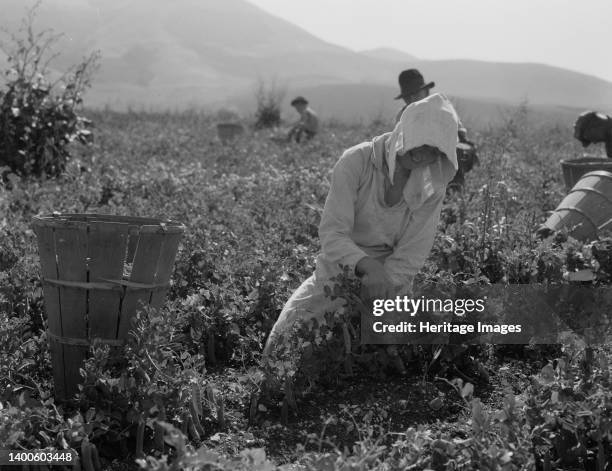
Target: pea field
<point>187,390</point>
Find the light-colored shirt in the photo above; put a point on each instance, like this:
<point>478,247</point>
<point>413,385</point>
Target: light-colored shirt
<point>309,121</point>
<point>356,221</point>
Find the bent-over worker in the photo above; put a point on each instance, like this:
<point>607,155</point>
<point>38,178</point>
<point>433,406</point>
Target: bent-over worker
<point>381,213</point>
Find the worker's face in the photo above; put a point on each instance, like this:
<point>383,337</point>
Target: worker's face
<point>418,157</point>
<point>300,107</point>
<point>423,93</point>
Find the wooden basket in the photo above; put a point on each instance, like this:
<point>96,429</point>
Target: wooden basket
<point>574,169</point>
<point>586,209</point>
<point>97,270</point>
<point>229,131</point>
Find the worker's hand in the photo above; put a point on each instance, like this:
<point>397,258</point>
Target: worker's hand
<point>375,282</point>
<point>376,286</point>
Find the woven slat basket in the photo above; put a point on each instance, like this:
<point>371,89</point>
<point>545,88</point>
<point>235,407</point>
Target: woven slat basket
<point>97,270</point>
<point>574,169</point>
<point>229,131</point>
<point>587,209</point>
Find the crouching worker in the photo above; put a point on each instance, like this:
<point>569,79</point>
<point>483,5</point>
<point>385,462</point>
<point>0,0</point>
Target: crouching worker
<point>380,215</point>
<point>308,125</point>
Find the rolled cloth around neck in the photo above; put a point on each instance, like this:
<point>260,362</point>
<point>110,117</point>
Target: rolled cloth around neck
<point>432,121</point>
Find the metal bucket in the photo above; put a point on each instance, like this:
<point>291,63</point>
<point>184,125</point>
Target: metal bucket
<point>574,169</point>
<point>97,271</point>
<point>586,209</point>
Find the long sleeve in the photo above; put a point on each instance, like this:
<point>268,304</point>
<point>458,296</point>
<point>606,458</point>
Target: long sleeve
<point>338,217</point>
<point>415,244</point>
<point>399,115</point>
<point>314,122</point>
<point>462,132</point>
<point>309,121</point>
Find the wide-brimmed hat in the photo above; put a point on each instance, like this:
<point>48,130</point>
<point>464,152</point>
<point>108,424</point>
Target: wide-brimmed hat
<point>299,99</point>
<point>410,82</point>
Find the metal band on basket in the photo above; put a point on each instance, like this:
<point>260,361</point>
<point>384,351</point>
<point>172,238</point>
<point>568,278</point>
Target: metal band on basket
<point>579,211</point>
<point>84,342</point>
<point>97,269</point>
<point>108,284</point>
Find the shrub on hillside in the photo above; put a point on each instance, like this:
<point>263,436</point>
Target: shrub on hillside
<point>269,98</point>
<point>39,116</point>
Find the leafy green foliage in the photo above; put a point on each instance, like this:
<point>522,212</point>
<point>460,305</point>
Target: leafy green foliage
<point>269,98</point>
<point>39,116</point>
<point>183,393</point>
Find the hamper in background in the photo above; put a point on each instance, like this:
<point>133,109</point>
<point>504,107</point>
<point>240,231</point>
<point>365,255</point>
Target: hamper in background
<point>97,271</point>
<point>574,169</point>
<point>229,131</point>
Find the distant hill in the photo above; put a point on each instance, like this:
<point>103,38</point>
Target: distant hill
<point>512,82</point>
<point>173,53</point>
<point>363,103</point>
<point>390,54</point>
<point>157,53</point>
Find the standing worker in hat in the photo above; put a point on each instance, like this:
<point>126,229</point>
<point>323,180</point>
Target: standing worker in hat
<point>413,88</point>
<point>308,125</point>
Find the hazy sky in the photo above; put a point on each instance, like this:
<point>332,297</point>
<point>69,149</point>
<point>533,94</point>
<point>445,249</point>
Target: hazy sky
<point>567,33</point>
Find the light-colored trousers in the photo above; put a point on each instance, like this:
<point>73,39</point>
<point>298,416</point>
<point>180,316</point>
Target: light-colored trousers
<point>306,302</point>
<point>309,302</point>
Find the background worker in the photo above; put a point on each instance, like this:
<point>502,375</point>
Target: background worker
<point>593,127</point>
<point>413,88</point>
<point>308,125</point>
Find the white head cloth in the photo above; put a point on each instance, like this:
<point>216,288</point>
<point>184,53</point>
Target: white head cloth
<point>432,121</point>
